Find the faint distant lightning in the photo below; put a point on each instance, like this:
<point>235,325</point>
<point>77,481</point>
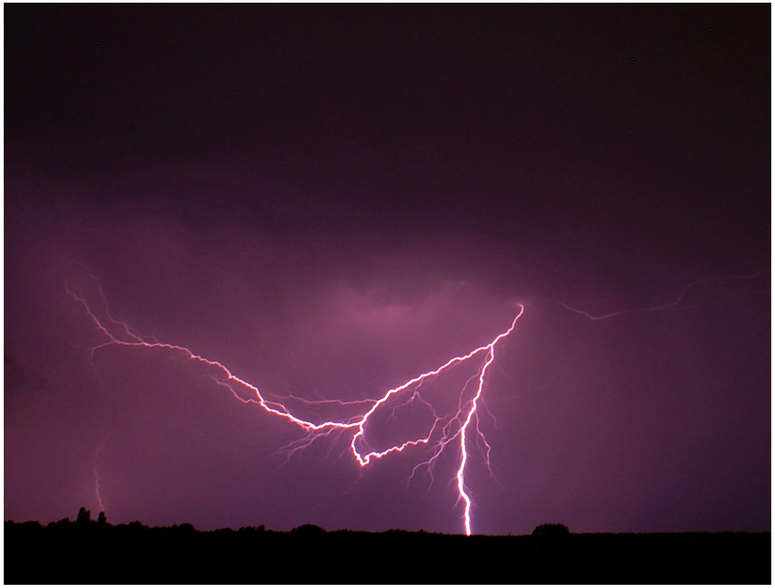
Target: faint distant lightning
<point>672,304</point>
<point>97,485</point>
<point>442,432</point>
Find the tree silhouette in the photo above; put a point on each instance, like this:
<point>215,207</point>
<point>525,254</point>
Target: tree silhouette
<point>102,519</point>
<point>84,516</point>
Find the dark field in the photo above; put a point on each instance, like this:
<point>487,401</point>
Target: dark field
<point>92,553</point>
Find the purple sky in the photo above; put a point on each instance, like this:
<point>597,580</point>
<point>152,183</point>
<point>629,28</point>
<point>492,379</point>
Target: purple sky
<point>332,200</point>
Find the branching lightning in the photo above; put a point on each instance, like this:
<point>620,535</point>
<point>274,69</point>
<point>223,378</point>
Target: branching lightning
<point>447,432</point>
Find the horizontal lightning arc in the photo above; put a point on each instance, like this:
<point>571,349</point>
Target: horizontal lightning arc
<point>465,415</point>
<point>667,305</point>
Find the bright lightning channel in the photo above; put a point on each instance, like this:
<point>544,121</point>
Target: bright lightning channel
<point>457,426</point>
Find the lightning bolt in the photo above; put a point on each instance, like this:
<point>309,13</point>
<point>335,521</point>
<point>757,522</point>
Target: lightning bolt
<point>97,484</point>
<point>672,304</point>
<point>452,430</point>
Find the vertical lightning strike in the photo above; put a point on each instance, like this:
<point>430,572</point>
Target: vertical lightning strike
<point>471,413</point>
<point>442,432</point>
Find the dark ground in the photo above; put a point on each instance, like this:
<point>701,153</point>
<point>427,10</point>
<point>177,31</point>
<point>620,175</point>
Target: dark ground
<point>92,553</point>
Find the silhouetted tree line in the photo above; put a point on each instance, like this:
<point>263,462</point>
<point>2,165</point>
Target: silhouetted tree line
<point>84,517</point>
<point>86,551</point>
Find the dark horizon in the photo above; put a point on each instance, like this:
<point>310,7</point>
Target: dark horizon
<point>260,556</point>
<point>85,520</point>
<point>330,200</point>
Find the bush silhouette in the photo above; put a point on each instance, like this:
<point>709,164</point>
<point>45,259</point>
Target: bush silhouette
<point>550,530</point>
<point>309,530</point>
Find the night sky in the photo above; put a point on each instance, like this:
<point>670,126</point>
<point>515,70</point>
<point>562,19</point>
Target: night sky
<point>330,200</point>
